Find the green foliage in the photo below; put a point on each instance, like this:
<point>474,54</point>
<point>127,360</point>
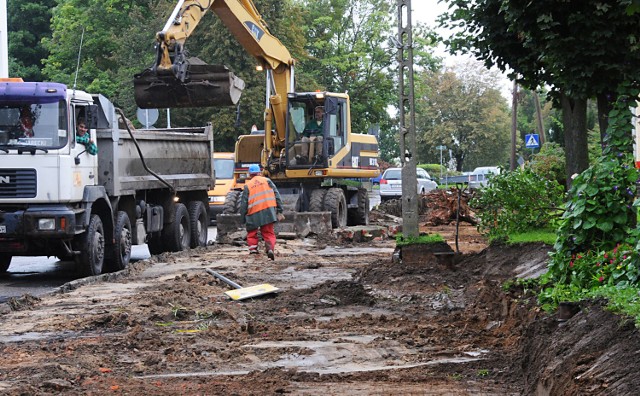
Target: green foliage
<point>423,239</point>
<point>599,214</point>
<point>531,39</point>
<point>462,110</point>
<point>518,201</point>
<point>550,163</point>
<point>25,47</point>
<point>433,169</point>
<point>544,236</point>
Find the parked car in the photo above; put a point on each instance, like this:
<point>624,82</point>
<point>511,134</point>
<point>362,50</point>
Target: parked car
<point>224,164</point>
<point>376,180</point>
<point>391,183</point>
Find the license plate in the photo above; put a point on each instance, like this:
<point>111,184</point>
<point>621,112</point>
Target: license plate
<point>396,186</point>
<point>3,229</point>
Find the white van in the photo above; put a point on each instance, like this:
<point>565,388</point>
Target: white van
<point>480,176</point>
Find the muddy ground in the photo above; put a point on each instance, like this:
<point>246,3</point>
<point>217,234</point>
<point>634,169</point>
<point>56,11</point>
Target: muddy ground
<point>347,319</point>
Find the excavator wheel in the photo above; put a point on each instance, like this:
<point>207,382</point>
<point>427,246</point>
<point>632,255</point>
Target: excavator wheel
<point>203,86</point>
<point>336,203</point>
<point>232,202</point>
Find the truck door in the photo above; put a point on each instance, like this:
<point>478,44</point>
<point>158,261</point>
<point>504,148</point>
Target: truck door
<point>85,164</point>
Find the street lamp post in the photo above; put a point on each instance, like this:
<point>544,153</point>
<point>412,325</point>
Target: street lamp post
<point>441,148</point>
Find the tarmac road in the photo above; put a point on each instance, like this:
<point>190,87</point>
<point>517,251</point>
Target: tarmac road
<point>40,275</point>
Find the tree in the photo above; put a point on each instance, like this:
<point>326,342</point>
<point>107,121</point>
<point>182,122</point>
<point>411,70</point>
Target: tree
<point>462,110</point>
<point>348,45</point>
<point>536,40</point>
<point>25,48</point>
<point>120,44</point>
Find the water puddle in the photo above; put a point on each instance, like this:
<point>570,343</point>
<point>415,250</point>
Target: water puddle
<point>347,354</point>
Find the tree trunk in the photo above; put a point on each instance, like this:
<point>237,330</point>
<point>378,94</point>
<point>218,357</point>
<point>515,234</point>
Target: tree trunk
<point>514,126</point>
<point>605,104</point>
<point>574,121</point>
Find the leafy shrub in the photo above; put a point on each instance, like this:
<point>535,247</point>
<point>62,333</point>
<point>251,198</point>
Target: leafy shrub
<point>550,163</point>
<point>599,213</point>
<point>517,201</point>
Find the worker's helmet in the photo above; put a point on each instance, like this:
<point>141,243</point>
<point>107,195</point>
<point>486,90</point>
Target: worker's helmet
<point>254,169</point>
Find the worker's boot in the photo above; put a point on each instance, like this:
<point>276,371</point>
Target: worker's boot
<point>270,254</point>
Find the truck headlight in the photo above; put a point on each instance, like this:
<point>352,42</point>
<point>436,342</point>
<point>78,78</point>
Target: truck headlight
<point>46,224</point>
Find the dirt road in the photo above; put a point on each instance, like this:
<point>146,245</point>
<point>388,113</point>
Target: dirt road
<point>347,319</point>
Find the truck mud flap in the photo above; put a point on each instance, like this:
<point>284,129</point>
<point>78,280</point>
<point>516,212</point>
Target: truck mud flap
<point>204,86</point>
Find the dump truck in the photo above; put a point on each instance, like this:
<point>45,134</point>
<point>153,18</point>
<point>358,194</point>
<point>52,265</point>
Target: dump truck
<point>59,198</point>
<point>330,180</point>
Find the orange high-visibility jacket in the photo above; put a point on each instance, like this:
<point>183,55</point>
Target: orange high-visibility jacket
<point>261,195</point>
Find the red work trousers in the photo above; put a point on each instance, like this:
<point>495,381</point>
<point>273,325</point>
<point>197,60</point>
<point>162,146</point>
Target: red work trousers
<point>268,235</point>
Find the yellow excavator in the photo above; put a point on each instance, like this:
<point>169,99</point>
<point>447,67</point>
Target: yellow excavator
<point>317,170</point>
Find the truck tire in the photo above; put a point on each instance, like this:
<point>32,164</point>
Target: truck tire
<point>232,202</point>
<point>91,258</point>
<point>177,234</point>
<point>336,203</point>
<point>154,243</point>
<point>5,262</point>
<point>199,224</point>
<point>316,200</point>
<point>121,249</point>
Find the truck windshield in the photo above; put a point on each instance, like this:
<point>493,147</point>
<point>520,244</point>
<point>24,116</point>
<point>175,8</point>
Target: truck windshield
<point>43,125</point>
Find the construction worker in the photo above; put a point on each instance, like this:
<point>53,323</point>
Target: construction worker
<point>260,208</point>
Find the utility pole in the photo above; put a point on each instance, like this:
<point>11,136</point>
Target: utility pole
<point>407,130</point>
<point>4,41</point>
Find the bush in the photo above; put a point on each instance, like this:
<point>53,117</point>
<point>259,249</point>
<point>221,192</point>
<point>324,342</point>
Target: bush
<point>550,163</point>
<point>517,201</point>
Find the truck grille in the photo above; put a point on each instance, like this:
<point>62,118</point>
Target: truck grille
<point>18,183</point>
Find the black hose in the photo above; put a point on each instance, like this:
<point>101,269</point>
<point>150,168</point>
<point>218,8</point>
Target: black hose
<point>124,120</point>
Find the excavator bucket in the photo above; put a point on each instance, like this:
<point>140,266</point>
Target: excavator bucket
<point>203,86</point>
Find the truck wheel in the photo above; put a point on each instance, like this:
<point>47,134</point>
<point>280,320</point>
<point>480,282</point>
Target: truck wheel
<point>154,243</point>
<point>199,222</point>
<point>316,200</point>
<point>177,235</point>
<point>91,258</point>
<point>5,262</point>
<point>122,248</point>
<point>336,203</point>
<point>232,202</point>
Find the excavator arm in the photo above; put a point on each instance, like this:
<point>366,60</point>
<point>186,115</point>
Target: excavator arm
<point>175,80</point>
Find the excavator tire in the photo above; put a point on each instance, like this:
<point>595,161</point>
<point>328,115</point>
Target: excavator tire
<point>316,200</point>
<point>336,203</point>
<point>232,202</point>
<point>360,215</point>
<point>204,86</point>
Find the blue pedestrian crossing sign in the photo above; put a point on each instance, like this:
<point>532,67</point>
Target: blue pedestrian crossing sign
<point>532,141</point>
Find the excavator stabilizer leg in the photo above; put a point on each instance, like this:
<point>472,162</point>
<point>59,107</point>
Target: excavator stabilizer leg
<point>203,86</point>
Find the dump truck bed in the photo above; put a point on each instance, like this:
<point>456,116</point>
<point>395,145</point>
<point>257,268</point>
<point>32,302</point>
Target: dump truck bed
<point>180,156</point>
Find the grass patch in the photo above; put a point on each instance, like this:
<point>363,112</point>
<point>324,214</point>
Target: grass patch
<point>419,240</point>
<point>544,236</point>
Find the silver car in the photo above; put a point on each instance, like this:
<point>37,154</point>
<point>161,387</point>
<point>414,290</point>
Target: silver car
<point>391,183</point>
